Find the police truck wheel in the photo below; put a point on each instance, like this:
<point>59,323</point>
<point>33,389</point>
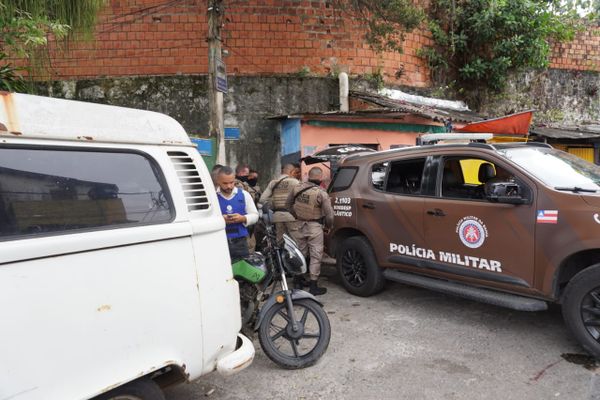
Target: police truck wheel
<point>357,267</point>
<point>142,389</point>
<point>581,308</point>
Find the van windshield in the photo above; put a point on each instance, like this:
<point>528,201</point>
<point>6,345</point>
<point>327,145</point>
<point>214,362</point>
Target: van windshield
<point>560,170</point>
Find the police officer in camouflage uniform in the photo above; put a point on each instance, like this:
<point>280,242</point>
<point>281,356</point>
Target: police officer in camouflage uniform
<point>242,181</point>
<point>241,178</point>
<point>311,206</point>
<point>253,187</point>
<point>276,194</point>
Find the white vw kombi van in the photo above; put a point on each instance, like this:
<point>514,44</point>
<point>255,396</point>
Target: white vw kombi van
<point>115,277</point>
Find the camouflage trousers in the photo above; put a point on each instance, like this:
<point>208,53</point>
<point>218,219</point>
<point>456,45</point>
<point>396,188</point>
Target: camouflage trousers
<point>309,237</point>
<point>281,228</point>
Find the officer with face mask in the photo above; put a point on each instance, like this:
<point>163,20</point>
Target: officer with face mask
<point>310,204</point>
<point>253,187</point>
<point>245,181</point>
<point>253,179</point>
<point>241,176</point>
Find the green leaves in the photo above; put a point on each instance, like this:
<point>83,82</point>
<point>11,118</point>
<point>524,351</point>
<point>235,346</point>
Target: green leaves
<point>477,43</point>
<point>23,32</point>
<point>28,26</point>
<point>10,77</point>
<point>387,21</point>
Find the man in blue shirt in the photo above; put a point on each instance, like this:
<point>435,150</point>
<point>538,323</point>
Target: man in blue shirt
<point>239,211</point>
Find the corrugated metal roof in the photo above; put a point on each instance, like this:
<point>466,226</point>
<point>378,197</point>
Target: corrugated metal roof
<point>588,131</point>
<point>385,107</point>
<point>436,113</point>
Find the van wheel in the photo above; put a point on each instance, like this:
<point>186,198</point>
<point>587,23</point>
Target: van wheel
<point>142,389</point>
<point>357,267</point>
<point>581,308</point>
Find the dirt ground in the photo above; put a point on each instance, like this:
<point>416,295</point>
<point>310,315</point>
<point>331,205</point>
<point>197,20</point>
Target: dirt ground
<point>411,343</point>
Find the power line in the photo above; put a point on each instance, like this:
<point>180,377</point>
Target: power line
<point>138,15</point>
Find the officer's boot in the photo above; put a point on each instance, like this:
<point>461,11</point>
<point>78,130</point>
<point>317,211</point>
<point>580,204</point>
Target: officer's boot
<point>300,282</point>
<point>316,290</point>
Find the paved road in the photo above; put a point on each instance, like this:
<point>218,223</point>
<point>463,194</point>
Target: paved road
<point>410,343</point>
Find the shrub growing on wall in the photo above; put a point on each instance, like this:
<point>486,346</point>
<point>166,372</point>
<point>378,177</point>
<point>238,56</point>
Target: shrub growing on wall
<point>477,43</point>
<point>27,27</point>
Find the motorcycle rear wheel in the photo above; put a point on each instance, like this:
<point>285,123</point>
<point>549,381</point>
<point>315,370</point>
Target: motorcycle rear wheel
<point>295,350</point>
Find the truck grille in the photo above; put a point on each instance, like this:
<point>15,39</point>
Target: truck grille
<point>193,188</point>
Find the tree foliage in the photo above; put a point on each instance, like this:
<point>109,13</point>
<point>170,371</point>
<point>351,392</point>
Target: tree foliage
<point>29,25</point>
<point>477,43</point>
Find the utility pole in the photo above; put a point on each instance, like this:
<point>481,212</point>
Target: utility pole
<point>215,97</point>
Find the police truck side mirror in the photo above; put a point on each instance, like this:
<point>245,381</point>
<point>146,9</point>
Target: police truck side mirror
<point>505,192</point>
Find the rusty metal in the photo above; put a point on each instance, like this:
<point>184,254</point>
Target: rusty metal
<point>38,117</point>
<point>8,104</point>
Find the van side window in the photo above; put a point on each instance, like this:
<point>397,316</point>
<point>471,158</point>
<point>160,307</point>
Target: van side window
<point>466,177</point>
<point>50,191</point>
<point>405,176</point>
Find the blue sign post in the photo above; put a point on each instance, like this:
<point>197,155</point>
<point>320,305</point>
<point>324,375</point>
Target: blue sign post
<point>232,133</point>
<point>204,146</point>
<point>221,76</point>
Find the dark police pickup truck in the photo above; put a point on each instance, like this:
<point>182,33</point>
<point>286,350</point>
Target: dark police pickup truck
<point>515,225</point>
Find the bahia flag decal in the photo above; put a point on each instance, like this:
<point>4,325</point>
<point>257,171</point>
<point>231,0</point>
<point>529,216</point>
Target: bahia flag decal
<point>547,216</point>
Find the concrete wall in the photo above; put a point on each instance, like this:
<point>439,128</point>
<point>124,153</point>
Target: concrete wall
<point>558,96</point>
<point>249,101</point>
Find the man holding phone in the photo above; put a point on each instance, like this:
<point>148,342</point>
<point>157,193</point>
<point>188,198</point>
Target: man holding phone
<point>238,211</point>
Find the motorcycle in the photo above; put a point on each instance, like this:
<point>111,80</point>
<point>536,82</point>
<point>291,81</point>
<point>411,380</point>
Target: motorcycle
<point>293,329</point>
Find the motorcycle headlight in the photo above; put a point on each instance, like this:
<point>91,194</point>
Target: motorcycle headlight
<point>293,260</point>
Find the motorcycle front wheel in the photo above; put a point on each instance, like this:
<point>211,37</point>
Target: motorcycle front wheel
<point>299,349</point>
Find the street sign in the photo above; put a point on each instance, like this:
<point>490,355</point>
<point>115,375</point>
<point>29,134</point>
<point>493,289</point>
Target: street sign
<point>220,76</point>
<point>232,133</point>
<point>204,146</point>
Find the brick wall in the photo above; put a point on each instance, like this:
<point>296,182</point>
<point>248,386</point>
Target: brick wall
<point>263,37</point>
<point>582,54</point>
<point>162,37</point>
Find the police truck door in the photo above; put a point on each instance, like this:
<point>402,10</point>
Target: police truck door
<point>476,239</point>
<point>391,212</point>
